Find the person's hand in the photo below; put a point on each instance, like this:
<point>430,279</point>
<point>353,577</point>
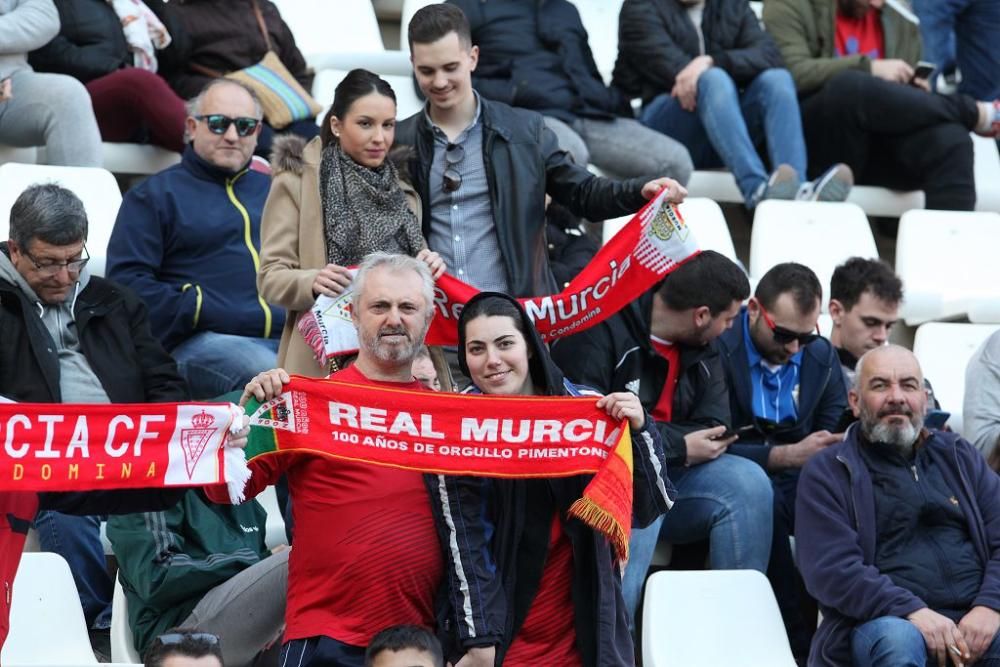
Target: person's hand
<point>624,405</point>
<point>675,191</point>
<point>6,91</point>
<point>979,627</point>
<point>892,69</point>
<point>331,280</point>
<point>433,262</point>
<point>922,84</point>
<point>481,656</point>
<point>796,455</point>
<point>706,444</point>
<point>240,438</point>
<point>686,82</point>
<point>939,633</point>
<point>265,386</point>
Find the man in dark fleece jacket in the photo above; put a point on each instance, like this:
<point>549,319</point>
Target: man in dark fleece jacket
<point>899,532</point>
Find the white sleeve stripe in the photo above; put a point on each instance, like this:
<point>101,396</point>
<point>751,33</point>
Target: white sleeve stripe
<point>657,468</point>
<point>456,557</point>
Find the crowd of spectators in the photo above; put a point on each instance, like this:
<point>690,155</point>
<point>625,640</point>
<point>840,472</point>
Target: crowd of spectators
<point>741,412</point>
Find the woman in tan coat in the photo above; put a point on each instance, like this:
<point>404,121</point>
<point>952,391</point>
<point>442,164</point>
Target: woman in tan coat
<point>332,201</point>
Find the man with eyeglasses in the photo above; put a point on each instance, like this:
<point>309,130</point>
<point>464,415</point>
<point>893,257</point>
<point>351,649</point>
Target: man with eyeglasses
<point>786,398</point>
<point>187,240</point>
<point>482,168</point>
<point>69,337</point>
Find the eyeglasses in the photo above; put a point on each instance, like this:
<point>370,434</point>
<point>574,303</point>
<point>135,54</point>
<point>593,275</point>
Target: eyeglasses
<point>783,336</point>
<point>453,154</point>
<point>50,269</point>
<point>218,124</point>
<point>171,638</point>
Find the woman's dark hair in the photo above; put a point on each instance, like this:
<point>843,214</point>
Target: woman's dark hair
<point>357,84</point>
<point>487,304</point>
<point>491,306</point>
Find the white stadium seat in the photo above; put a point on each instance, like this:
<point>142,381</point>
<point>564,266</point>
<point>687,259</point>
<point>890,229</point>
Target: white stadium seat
<point>97,189</point>
<point>47,626</point>
<point>948,263</point>
<point>275,528</point>
<point>819,235</point>
<point>944,349</point>
<point>122,643</point>
<point>708,618</point>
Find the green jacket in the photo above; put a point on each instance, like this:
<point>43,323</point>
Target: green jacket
<point>804,31</point>
<point>168,560</point>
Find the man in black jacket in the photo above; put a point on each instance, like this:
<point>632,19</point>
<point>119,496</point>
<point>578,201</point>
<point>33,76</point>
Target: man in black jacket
<point>786,396</point>
<point>68,337</point>
<point>482,168</point>
<point>535,55</point>
<point>660,348</point>
<point>712,79</point>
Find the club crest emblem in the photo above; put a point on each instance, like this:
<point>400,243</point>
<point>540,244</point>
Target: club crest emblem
<point>195,439</point>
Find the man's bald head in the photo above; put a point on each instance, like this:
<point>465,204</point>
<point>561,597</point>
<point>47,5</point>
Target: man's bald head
<point>888,397</point>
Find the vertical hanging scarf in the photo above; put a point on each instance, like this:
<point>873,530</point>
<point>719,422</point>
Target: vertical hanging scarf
<point>143,31</point>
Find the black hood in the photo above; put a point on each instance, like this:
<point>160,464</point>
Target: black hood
<point>545,375</point>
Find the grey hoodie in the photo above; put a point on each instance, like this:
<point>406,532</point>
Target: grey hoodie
<point>77,381</point>
<point>25,25</point>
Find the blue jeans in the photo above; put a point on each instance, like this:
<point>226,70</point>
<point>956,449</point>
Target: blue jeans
<point>214,364</point>
<point>78,540</point>
<point>890,641</point>
<point>727,501</point>
<point>961,32</point>
<point>728,124</point>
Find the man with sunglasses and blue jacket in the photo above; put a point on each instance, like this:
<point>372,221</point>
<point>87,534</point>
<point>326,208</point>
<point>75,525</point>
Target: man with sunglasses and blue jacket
<point>786,397</point>
<point>187,241</point>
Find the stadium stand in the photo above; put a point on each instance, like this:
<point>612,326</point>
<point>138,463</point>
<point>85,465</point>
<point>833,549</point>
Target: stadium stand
<point>687,612</point>
<point>944,349</point>
<point>819,235</point>
<point>962,245</point>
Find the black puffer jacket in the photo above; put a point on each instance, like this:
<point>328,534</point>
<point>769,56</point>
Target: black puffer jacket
<point>657,39</point>
<point>523,163</point>
<point>90,42</point>
<point>616,355</point>
<point>499,530</point>
<point>534,54</point>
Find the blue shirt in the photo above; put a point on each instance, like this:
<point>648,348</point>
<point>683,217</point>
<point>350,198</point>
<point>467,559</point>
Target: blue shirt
<point>462,229</point>
<point>775,390</point>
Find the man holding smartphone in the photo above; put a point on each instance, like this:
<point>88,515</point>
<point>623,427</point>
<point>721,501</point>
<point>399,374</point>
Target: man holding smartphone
<point>863,104</point>
<point>661,348</point>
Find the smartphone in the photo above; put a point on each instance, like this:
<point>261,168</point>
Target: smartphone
<point>923,70</point>
<point>730,432</point>
<point>936,419</point>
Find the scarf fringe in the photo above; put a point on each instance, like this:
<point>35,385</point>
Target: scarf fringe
<point>601,520</point>
<point>234,459</point>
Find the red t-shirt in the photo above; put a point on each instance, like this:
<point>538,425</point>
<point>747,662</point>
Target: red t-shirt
<point>860,36</point>
<point>664,407</point>
<point>366,554</point>
<point>548,634</point>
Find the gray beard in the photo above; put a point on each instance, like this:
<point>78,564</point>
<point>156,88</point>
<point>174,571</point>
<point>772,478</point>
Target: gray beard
<point>899,439</point>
